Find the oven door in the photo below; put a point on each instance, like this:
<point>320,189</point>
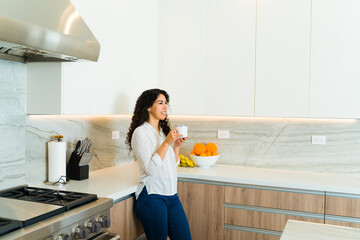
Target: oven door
<point>106,236</point>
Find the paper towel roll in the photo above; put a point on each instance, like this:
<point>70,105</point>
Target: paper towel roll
<point>57,160</point>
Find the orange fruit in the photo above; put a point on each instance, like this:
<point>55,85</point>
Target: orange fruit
<point>214,154</point>
<point>199,148</point>
<point>192,152</point>
<point>208,153</point>
<point>203,155</point>
<point>211,147</point>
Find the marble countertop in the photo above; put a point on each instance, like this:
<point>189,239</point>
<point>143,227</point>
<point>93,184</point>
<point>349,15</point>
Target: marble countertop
<point>112,182</point>
<point>121,180</point>
<point>298,230</point>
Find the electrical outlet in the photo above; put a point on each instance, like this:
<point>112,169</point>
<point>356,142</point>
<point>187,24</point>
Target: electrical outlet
<point>317,139</point>
<point>115,135</point>
<point>223,134</point>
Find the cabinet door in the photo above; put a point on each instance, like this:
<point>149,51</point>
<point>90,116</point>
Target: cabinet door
<point>282,58</point>
<point>313,202</point>
<point>44,88</point>
<point>204,208</point>
<point>343,205</point>
<point>342,209</point>
<point>124,221</point>
<point>209,56</point>
<point>270,219</point>
<point>343,222</point>
<point>184,57</point>
<point>230,72</point>
<point>335,50</point>
<point>127,32</point>
<point>232,234</point>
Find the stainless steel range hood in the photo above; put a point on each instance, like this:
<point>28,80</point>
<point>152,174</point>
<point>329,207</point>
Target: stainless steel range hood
<point>44,30</point>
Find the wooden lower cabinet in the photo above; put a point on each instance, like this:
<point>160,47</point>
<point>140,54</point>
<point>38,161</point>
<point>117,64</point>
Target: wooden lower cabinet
<point>204,208</point>
<point>343,223</point>
<point>257,212</point>
<point>262,219</point>
<point>124,221</point>
<point>342,209</point>
<point>276,198</point>
<point>231,234</point>
<point>343,206</point>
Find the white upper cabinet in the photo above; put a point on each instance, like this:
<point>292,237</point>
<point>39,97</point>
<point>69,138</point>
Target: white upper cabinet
<point>282,58</point>
<point>184,55</point>
<point>230,57</point>
<point>275,58</point>
<point>128,33</point>
<point>209,56</point>
<point>335,51</point>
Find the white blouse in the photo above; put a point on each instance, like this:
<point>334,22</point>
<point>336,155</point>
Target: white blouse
<point>159,176</point>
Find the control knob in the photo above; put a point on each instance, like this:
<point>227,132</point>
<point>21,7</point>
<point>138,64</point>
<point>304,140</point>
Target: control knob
<point>104,221</point>
<point>94,226</point>
<point>64,237</point>
<point>81,232</point>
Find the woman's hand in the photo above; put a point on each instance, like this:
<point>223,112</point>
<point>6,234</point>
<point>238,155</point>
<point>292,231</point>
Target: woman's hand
<point>179,142</point>
<point>172,136</point>
<point>175,137</point>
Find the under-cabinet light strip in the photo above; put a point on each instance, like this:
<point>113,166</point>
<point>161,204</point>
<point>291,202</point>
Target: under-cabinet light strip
<point>206,118</point>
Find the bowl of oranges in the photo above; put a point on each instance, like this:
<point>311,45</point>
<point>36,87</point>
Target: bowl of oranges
<point>203,155</point>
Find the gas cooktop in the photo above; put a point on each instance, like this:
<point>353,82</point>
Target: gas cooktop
<point>48,196</point>
<point>8,225</point>
<point>24,206</point>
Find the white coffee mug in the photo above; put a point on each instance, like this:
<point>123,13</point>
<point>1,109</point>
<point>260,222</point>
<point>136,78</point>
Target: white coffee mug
<point>182,129</point>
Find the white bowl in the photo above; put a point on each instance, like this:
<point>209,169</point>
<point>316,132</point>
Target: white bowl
<point>204,162</point>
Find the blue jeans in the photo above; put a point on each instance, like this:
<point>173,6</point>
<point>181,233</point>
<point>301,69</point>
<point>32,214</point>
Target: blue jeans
<point>162,216</point>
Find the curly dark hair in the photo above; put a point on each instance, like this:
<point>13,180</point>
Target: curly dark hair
<point>141,113</point>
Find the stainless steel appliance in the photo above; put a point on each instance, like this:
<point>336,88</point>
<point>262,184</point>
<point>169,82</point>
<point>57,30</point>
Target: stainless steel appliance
<point>38,213</point>
<point>43,30</point>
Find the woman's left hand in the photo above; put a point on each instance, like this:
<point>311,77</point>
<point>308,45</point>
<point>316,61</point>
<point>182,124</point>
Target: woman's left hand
<point>178,142</point>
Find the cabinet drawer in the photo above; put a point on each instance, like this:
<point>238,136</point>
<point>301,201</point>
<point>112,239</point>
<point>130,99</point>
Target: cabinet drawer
<point>248,234</point>
<point>342,221</point>
<point>343,205</point>
<point>276,198</point>
<point>271,219</point>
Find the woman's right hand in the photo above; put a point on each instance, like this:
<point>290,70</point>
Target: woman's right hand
<point>172,136</point>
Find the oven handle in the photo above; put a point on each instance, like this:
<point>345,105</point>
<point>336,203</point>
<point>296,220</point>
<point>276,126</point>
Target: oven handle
<point>106,236</point>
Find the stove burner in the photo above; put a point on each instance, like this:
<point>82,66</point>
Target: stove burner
<point>63,198</point>
<point>7,225</point>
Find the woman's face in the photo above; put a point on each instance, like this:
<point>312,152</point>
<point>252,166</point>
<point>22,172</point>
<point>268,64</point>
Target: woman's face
<point>159,108</point>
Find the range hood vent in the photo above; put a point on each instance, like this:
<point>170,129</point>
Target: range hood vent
<point>44,30</point>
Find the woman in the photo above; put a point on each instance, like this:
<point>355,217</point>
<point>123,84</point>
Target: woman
<point>156,147</point>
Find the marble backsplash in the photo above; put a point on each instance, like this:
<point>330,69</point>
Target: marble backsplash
<point>281,143</point>
<point>12,119</point>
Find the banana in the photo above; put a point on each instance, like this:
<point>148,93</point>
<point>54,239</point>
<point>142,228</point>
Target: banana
<point>185,162</point>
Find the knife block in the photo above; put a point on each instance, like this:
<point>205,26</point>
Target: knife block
<point>74,171</point>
